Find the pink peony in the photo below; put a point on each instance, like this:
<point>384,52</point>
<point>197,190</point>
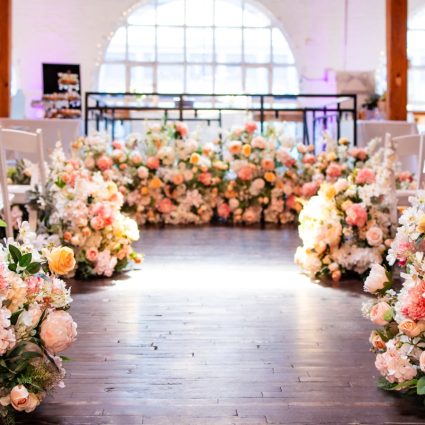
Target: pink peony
<point>250,127</point>
<point>58,331</point>
<point>334,170</point>
<point>224,210</point>
<point>152,162</point>
<point>309,189</point>
<point>104,163</point>
<point>205,179</point>
<point>246,173</point>
<point>356,215</point>
<point>365,176</point>
<point>165,206</point>
<point>413,302</point>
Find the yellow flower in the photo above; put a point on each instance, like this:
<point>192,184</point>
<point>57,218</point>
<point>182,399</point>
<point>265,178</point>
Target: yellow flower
<point>61,260</point>
<point>155,183</point>
<point>144,190</point>
<point>421,224</point>
<point>343,141</point>
<point>195,158</point>
<point>246,150</point>
<point>330,193</point>
<point>269,176</point>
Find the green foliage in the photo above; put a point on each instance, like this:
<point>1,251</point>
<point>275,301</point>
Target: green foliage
<point>21,263</point>
<point>2,223</point>
<point>420,386</point>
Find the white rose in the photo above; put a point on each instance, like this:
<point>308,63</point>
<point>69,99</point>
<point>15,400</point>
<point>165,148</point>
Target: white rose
<point>376,280</point>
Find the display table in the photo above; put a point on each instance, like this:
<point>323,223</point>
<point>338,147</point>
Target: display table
<point>65,130</point>
<point>368,130</point>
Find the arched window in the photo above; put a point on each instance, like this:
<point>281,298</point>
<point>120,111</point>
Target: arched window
<point>193,46</point>
<point>416,55</point>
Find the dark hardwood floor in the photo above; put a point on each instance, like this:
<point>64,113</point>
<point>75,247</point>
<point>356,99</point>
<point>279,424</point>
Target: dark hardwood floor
<point>218,328</point>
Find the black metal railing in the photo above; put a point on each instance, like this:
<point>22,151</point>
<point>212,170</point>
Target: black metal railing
<point>316,112</point>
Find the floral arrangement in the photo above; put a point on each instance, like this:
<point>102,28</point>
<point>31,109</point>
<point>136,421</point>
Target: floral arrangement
<point>346,227</point>
<point>399,342</point>
<point>35,325</point>
<point>84,209</point>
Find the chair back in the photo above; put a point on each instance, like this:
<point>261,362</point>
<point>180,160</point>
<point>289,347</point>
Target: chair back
<point>410,152</point>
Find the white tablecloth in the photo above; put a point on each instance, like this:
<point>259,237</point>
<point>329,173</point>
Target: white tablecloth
<point>368,130</point>
<point>53,130</point>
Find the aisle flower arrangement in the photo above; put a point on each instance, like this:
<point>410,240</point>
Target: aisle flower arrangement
<point>84,209</point>
<point>35,324</point>
<point>399,342</point>
<point>346,227</point>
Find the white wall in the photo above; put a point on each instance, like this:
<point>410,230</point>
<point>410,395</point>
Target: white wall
<point>324,34</point>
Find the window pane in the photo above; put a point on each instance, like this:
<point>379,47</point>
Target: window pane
<point>170,12</point>
<point>199,13</point>
<point>281,51</point>
<point>257,45</point>
<point>112,78</point>
<point>143,16</point>
<point>116,48</point>
<point>285,80</point>
<point>170,78</point>
<point>228,13</point>
<point>416,47</point>
<point>228,79</point>
<point>199,44</point>
<point>199,79</point>
<point>416,86</point>
<point>141,43</point>
<point>257,80</point>
<point>253,18</point>
<point>141,79</point>
<point>170,44</point>
<point>228,42</point>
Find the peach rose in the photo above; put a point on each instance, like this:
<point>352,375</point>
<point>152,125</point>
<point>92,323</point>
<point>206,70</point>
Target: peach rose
<point>61,260</point>
<point>165,206</point>
<point>381,313</point>
<point>194,158</point>
<point>268,164</point>
<point>91,254</point>
<point>411,328</point>
<point>223,210</point>
<point>178,179</point>
<point>104,163</point>
<point>235,147</point>
<point>258,143</point>
<point>246,150</point>
<point>246,173</point>
<point>152,162</point>
<point>309,189</point>
<point>376,341</point>
<point>309,159</point>
<point>374,236</point>
<point>58,331</point>
<point>334,170</point>
<point>205,179</point>
<point>21,400</point>
<point>142,172</point>
<point>250,127</point>
<point>377,279</point>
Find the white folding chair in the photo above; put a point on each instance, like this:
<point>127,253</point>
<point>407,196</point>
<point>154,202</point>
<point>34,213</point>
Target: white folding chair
<point>24,143</point>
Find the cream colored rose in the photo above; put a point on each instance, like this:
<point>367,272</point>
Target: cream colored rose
<point>61,260</point>
<point>381,313</point>
<point>58,331</point>
<point>22,400</point>
<point>376,280</point>
<point>376,341</point>
<point>374,236</point>
<point>411,328</point>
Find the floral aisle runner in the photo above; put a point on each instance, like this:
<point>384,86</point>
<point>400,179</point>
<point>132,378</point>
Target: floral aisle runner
<point>35,325</point>
<point>399,342</point>
<point>84,211</point>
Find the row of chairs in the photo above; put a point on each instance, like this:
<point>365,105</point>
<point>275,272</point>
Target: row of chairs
<point>410,151</point>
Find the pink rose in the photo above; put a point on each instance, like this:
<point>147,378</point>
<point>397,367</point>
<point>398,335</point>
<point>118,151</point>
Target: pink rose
<point>142,172</point>
<point>224,210</point>
<point>104,163</point>
<point>58,331</point>
<point>91,254</point>
<point>181,128</point>
<point>178,179</point>
<point>365,176</point>
<point>251,215</point>
<point>152,162</point>
<point>165,206</point>
<point>97,223</point>
<point>381,313</point>
<point>116,144</point>
<point>250,127</point>
<point>246,173</point>
<point>309,159</point>
<point>356,215</point>
<point>334,170</point>
<point>309,189</point>
<point>136,158</point>
<point>21,400</point>
<point>411,328</point>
